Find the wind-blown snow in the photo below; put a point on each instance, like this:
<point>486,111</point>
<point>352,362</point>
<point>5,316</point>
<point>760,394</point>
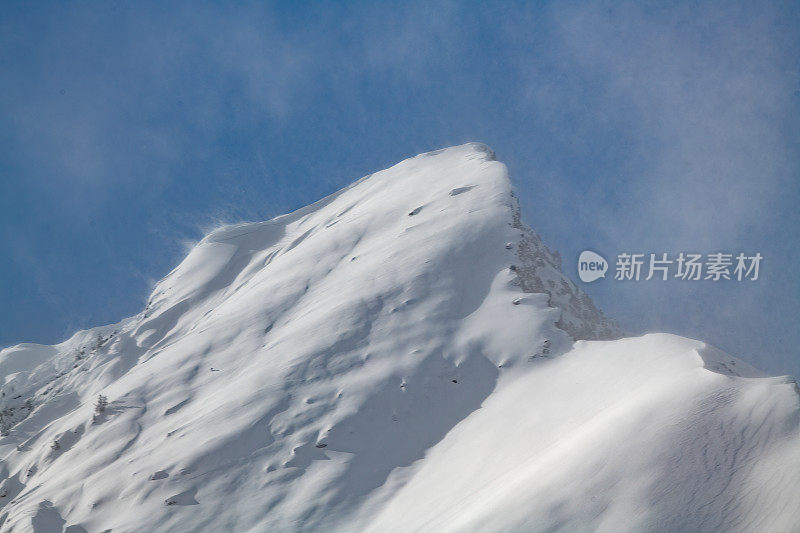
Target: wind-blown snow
<point>396,357</point>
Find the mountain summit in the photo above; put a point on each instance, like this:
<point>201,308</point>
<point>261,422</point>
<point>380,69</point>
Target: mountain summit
<point>403,355</point>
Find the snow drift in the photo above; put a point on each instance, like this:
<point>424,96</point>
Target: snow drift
<point>399,356</point>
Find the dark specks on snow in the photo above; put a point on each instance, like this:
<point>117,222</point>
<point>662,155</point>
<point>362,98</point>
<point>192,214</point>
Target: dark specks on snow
<point>459,190</point>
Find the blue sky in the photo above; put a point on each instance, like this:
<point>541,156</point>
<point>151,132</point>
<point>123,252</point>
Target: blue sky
<point>130,129</point>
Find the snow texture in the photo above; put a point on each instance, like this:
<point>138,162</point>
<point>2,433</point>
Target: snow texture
<point>399,356</point>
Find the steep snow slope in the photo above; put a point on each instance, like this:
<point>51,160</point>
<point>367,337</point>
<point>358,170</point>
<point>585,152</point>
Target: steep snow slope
<point>630,435</point>
<point>397,356</point>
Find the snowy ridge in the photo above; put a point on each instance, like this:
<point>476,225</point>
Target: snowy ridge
<point>396,356</point>
<point>644,438</point>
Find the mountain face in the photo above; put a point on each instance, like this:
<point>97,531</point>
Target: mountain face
<point>404,355</point>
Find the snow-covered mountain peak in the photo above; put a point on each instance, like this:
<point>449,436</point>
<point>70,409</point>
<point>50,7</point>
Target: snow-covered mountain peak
<point>383,359</point>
